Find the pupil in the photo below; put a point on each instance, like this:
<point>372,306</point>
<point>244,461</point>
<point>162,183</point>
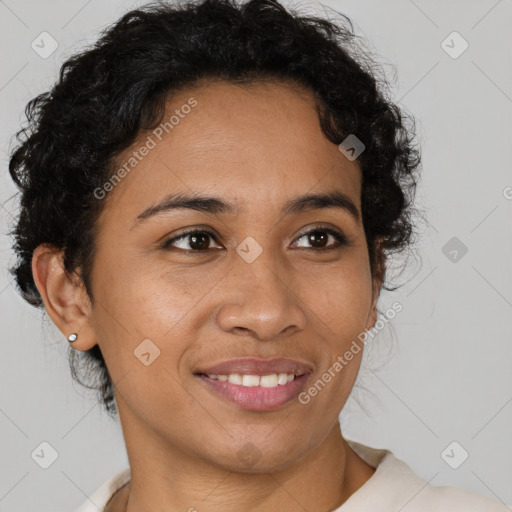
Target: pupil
<point>195,237</point>
<point>314,238</point>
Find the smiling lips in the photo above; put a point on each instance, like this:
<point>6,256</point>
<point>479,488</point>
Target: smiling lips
<point>255,366</point>
<point>257,384</point>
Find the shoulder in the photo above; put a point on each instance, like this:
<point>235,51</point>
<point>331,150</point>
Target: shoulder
<point>394,486</point>
<point>453,499</point>
<point>98,500</point>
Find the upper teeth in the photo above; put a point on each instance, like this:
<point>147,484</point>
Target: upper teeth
<point>265,381</point>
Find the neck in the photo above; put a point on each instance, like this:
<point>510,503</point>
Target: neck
<point>167,479</point>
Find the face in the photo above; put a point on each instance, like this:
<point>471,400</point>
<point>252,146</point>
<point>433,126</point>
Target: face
<point>257,281</point>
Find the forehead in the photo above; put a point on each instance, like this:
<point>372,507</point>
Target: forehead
<point>259,142</point>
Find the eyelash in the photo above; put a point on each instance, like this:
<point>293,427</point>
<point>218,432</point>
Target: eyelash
<point>341,240</point>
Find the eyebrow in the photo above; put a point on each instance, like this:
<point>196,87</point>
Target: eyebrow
<point>215,205</point>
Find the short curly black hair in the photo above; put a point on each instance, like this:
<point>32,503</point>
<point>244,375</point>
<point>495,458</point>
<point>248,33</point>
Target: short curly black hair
<point>108,93</point>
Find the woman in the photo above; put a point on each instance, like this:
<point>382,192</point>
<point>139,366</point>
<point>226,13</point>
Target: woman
<point>209,197</point>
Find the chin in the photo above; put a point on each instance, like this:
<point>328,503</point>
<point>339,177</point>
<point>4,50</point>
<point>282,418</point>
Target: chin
<point>252,457</point>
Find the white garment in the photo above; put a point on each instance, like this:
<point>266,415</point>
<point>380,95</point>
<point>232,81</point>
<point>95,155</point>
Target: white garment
<point>393,487</point>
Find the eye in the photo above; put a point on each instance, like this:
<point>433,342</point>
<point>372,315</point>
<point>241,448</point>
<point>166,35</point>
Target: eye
<point>198,240</point>
<point>319,237</point>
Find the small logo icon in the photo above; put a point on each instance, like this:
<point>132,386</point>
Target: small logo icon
<point>454,45</point>
<point>454,249</point>
<point>454,455</point>
<point>249,454</point>
<point>44,455</point>
<point>44,45</point>
<point>249,249</point>
<point>146,352</point>
<point>351,147</point>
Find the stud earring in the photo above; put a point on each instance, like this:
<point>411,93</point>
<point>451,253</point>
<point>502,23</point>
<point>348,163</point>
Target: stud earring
<point>72,337</point>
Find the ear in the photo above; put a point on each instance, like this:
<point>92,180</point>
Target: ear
<point>377,281</point>
<point>65,300</point>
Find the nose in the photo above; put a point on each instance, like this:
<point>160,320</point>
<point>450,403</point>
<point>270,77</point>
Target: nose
<point>260,299</point>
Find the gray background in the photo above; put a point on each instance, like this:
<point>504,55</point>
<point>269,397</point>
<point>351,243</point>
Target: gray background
<point>447,373</point>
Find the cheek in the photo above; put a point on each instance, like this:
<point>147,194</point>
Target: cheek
<point>341,295</point>
<point>143,326</point>
<point>134,303</point>
<point>341,302</point>
<point>143,299</point>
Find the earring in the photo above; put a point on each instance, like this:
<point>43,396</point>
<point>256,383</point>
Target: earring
<point>72,337</point>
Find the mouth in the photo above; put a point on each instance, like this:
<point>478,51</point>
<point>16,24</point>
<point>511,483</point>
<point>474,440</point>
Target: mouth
<point>256,384</point>
<point>271,380</point>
